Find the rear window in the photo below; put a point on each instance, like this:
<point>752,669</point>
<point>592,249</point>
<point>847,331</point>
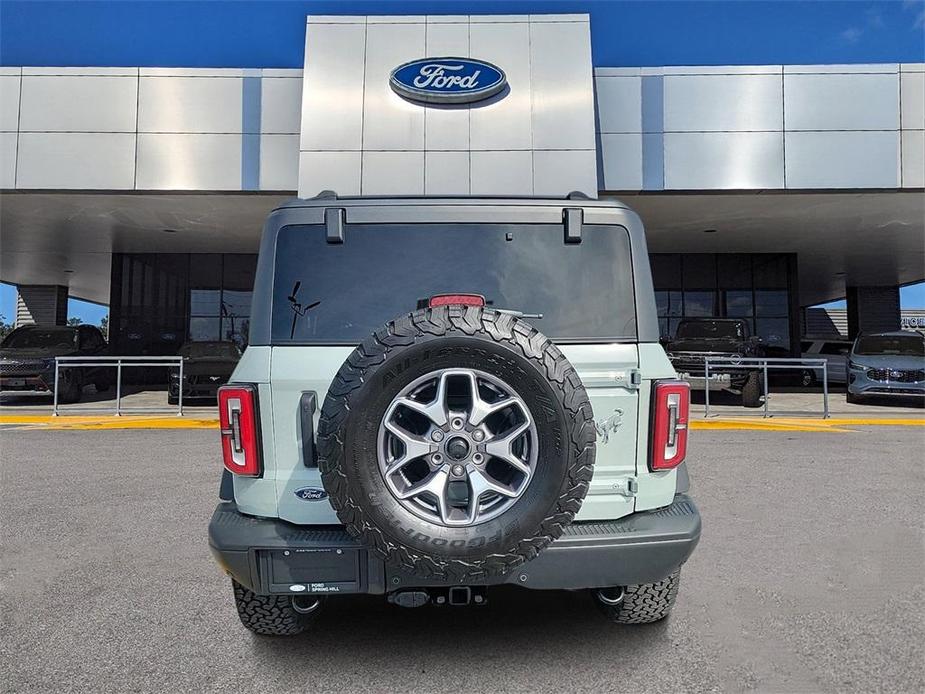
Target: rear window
<point>343,292</point>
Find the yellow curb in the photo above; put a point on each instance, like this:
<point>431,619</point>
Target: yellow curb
<point>90,423</point>
<point>762,426</point>
<point>836,424</point>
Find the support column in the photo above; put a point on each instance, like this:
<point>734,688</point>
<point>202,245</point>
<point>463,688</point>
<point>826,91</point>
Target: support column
<point>41,304</point>
<point>872,310</point>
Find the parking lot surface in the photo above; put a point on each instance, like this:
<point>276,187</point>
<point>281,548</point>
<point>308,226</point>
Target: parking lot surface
<point>810,576</point>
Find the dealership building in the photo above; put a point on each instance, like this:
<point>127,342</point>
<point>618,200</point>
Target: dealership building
<point>764,189</point>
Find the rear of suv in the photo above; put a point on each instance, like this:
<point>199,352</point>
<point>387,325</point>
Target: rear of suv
<point>442,395</point>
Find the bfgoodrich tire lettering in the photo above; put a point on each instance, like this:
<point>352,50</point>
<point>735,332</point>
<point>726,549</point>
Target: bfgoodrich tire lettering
<point>466,338</point>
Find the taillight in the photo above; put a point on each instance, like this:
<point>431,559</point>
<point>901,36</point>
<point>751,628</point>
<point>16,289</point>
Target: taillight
<point>237,416</point>
<point>670,412</point>
<point>456,300</point>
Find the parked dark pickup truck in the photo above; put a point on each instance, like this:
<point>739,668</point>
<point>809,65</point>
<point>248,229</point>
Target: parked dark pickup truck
<point>698,338</point>
<point>206,366</point>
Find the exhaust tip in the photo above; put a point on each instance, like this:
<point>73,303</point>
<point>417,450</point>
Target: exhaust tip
<point>610,596</point>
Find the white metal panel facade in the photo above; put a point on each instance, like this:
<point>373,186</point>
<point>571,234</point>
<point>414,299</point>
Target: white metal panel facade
<point>774,127</point>
<point>548,107</point>
<point>671,128</point>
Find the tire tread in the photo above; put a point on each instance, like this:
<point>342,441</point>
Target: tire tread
<point>500,328</point>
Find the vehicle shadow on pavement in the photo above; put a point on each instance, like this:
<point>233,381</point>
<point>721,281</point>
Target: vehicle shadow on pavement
<point>516,623</point>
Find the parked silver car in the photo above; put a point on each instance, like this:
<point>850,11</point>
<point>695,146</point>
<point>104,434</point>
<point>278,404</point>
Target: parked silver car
<point>887,364</point>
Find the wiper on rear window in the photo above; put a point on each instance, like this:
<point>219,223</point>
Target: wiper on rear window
<point>519,314</point>
<point>298,310</point>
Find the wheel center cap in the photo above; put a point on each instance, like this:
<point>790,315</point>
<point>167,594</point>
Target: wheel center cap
<point>457,448</point>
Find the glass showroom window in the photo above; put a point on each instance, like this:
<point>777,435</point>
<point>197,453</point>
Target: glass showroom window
<point>754,287</point>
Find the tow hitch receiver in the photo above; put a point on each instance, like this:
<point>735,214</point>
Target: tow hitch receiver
<point>457,596</point>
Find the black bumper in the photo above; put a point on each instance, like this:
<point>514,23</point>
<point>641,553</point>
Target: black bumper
<point>270,556</point>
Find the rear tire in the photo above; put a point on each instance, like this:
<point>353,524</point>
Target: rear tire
<point>71,388</point>
<point>272,615</point>
<point>644,603</point>
<point>751,391</point>
<point>173,400</point>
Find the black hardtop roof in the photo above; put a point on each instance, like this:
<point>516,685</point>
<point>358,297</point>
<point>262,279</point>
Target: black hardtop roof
<point>327,198</point>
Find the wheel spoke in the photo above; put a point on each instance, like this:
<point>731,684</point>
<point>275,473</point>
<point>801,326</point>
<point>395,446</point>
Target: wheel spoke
<point>435,484</point>
<point>482,483</point>
<point>500,448</point>
<point>481,409</point>
<point>415,447</point>
<point>435,410</point>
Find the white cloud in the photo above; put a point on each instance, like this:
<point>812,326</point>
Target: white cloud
<point>851,34</point>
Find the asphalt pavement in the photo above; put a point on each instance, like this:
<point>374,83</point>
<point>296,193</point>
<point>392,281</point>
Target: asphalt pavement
<point>810,576</point>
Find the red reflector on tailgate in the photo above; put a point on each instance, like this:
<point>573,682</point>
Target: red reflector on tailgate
<point>456,300</point>
<point>237,416</point>
<point>671,402</point>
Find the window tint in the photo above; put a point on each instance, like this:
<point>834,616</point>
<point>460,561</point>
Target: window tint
<point>346,291</point>
<point>833,348</point>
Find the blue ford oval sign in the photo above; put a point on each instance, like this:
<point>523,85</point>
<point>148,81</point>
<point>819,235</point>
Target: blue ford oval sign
<point>311,494</point>
<point>447,80</point>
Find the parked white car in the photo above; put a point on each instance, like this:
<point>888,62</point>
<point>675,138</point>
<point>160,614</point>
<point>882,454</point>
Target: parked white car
<point>835,353</point>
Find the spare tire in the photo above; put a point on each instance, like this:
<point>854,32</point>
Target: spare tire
<point>456,443</point>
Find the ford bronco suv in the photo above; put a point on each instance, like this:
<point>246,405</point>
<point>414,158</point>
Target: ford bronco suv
<point>442,395</point>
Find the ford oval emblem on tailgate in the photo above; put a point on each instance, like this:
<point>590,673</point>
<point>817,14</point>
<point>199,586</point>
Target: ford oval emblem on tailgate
<point>447,80</point>
<point>310,494</point>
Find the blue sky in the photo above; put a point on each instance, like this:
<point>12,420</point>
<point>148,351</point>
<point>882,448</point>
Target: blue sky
<point>250,33</point>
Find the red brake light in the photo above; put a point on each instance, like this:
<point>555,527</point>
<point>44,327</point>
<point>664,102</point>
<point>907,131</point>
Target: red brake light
<point>670,414</point>
<point>237,416</point>
<point>456,300</point>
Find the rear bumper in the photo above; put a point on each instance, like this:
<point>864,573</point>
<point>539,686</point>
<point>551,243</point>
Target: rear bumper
<point>272,556</point>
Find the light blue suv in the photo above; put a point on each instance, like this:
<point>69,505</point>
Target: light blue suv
<point>400,426</point>
<point>888,364</point>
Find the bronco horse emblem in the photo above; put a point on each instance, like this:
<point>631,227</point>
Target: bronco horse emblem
<point>447,80</point>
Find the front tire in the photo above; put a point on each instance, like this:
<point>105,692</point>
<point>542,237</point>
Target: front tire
<point>273,615</point>
<point>751,391</point>
<point>807,378</point>
<point>853,399</point>
<point>644,603</point>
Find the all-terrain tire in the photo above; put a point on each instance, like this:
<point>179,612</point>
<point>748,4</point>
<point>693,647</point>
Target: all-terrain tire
<point>270,615</point>
<point>456,337</point>
<point>751,390</point>
<point>644,603</point>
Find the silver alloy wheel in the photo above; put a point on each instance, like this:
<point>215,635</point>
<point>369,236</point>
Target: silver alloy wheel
<point>457,447</point>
